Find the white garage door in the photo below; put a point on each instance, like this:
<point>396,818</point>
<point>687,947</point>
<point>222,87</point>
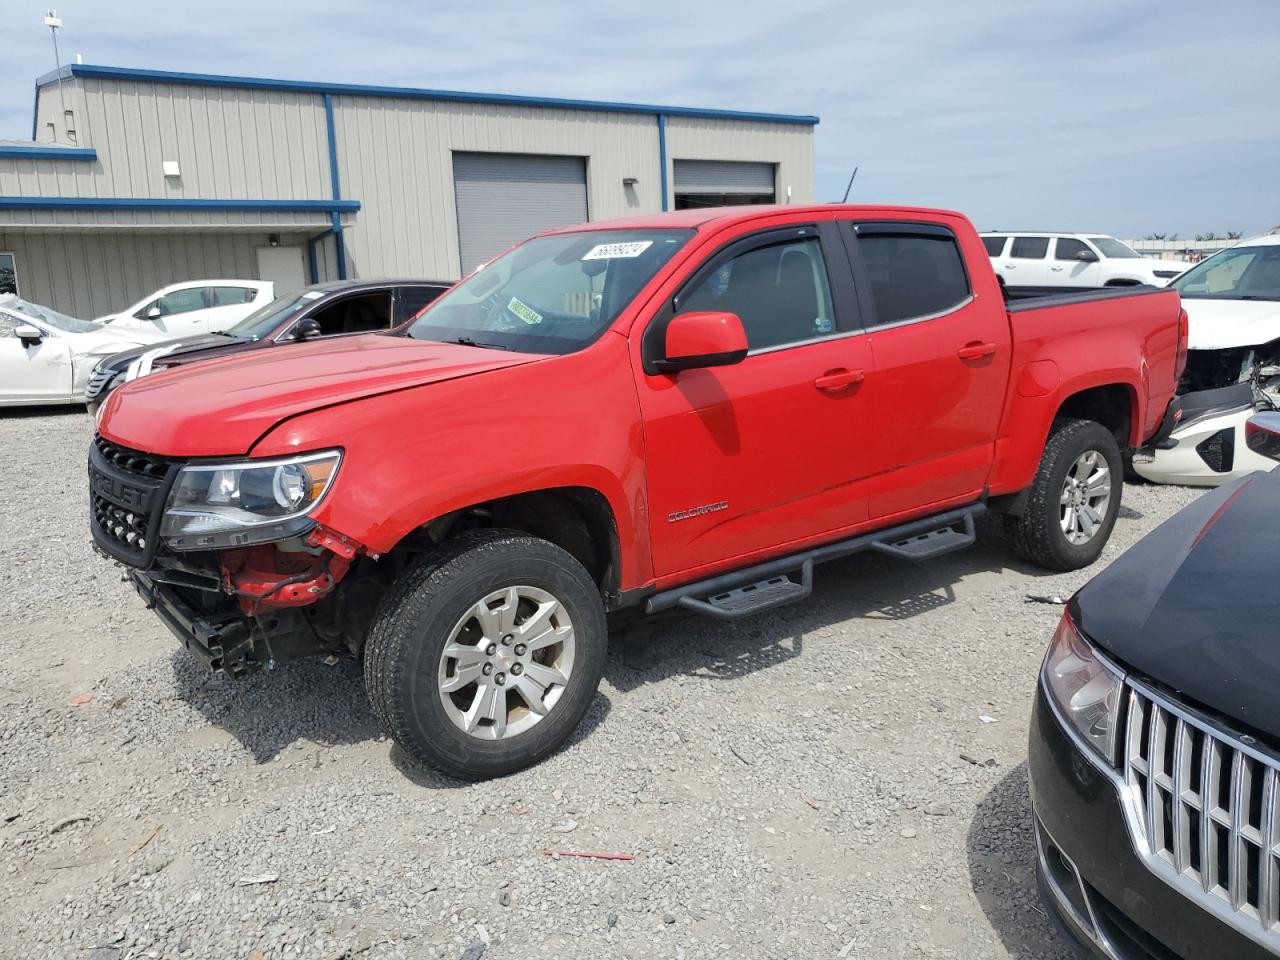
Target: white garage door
<point>723,177</point>
<point>506,197</point>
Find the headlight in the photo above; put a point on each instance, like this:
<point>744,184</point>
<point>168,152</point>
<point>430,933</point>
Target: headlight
<point>1084,687</point>
<point>214,505</point>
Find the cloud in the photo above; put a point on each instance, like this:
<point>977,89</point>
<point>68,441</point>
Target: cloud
<point>1093,115</point>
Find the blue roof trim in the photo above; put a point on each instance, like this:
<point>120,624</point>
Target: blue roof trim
<point>409,93</point>
<point>159,203</point>
<point>47,153</point>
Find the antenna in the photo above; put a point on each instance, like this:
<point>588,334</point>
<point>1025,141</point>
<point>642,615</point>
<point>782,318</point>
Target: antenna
<point>850,186</point>
<point>53,22</point>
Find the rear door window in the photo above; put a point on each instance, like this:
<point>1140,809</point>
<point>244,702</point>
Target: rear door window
<point>994,245</point>
<point>229,296</point>
<point>1029,248</point>
<point>914,270</point>
<point>411,300</point>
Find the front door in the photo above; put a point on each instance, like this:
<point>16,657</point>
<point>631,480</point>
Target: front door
<point>750,458</point>
<point>33,371</point>
<point>942,359</point>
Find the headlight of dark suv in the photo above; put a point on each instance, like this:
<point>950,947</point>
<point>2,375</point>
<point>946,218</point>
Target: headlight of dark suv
<point>1084,687</point>
<point>214,505</point>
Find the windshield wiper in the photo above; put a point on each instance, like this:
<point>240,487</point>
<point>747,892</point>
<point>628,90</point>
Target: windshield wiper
<point>468,342</point>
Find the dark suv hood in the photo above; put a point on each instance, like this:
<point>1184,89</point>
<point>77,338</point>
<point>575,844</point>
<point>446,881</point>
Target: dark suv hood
<point>119,362</point>
<point>1195,605</point>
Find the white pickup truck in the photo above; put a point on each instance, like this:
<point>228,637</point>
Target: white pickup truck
<point>1036,263</point>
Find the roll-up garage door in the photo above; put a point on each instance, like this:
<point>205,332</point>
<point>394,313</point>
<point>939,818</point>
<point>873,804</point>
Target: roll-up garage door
<point>733,181</point>
<point>506,197</point>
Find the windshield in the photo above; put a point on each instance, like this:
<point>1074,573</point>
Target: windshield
<point>1240,273</point>
<point>52,318</point>
<point>1111,247</point>
<point>552,294</point>
<point>262,321</point>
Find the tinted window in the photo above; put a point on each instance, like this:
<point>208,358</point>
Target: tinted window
<point>227,296</point>
<point>1069,249</point>
<point>411,300</point>
<point>913,275</point>
<point>1029,248</point>
<point>780,292</point>
<point>179,301</point>
<point>366,313</point>
<point>994,245</point>
<point>8,274</point>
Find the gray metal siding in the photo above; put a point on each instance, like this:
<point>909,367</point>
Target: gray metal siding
<point>88,274</point>
<point>789,147</point>
<point>396,158</point>
<point>504,198</point>
<point>723,176</point>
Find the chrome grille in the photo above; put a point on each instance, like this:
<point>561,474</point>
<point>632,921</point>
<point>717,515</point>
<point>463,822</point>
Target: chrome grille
<point>1206,802</point>
<point>97,380</point>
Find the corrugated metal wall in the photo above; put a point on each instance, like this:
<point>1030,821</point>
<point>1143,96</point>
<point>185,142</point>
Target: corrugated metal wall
<point>788,145</point>
<point>88,274</point>
<point>395,157</point>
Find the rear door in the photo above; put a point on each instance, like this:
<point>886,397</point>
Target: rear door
<point>228,305</point>
<point>770,452</point>
<point>1025,263</point>
<point>1066,269</point>
<point>941,358</point>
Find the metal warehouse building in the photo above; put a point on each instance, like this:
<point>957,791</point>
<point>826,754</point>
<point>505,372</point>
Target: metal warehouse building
<point>135,179</point>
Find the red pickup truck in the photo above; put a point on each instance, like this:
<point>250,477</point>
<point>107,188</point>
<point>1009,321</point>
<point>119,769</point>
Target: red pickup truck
<point>684,410</point>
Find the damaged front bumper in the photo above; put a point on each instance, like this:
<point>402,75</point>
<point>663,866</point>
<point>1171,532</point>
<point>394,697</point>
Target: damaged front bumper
<point>1207,447</point>
<point>219,635</point>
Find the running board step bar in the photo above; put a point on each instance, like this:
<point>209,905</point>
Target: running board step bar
<point>772,584</point>
<point>754,597</point>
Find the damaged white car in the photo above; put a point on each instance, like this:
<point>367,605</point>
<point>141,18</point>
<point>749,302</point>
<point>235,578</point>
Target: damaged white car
<point>46,356</point>
<point>1233,366</point>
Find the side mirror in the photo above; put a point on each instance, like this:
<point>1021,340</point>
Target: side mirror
<point>703,339</point>
<point>1088,256</point>
<point>28,334</point>
<point>154,313</point>
<point>1262,434</point>
<point>307,329</point>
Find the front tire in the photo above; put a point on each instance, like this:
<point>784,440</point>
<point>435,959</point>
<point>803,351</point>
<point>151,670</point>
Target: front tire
<point>484,658</point>
<point>1074,499</point>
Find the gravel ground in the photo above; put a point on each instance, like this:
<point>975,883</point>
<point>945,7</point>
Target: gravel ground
<point>791,786</point>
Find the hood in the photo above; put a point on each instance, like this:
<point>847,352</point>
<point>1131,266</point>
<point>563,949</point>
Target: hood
<point>1221,324</point>
<point>166,348</point>
<point>223,406</point>
<point>1194,606</point>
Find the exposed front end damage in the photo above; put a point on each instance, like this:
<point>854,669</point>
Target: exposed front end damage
<point>1220,390</point>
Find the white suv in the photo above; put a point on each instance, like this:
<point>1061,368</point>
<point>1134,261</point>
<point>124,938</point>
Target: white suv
<point>194,307</point>
<point>1056,262</point>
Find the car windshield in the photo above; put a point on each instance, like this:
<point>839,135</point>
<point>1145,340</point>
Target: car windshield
<point>552,294</point>
<point>1111,247</point>
<point>1240,273</point>
<point>51,318</point>
<point>262,321</point>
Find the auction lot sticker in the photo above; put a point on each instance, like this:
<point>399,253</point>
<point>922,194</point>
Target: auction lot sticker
<point>618,251</point>
<point>524,311</point>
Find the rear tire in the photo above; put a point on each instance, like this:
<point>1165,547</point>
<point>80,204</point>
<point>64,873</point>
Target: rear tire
<point>1074,499</point>
<point>485,656</point>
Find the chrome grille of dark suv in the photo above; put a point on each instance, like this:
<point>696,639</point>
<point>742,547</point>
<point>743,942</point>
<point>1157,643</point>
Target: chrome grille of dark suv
<point>127,490</point>
<point>97,380</point>
<point>1207,803</point>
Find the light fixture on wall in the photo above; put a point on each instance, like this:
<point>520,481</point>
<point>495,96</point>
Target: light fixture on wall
<point>629,181</point>
<point>273,240</point>
<point>170,168</point>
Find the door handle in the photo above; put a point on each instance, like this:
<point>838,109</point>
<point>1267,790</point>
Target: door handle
<point>976,350</point>
<point>1008,266</point>
<point>1059,269</point>
<point>838,378</point>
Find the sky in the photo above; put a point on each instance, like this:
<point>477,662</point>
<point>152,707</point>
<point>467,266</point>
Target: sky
<point>1116,116</point>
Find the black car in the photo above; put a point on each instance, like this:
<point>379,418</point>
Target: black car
<point>1155,737</point>
<point>333,309</point>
